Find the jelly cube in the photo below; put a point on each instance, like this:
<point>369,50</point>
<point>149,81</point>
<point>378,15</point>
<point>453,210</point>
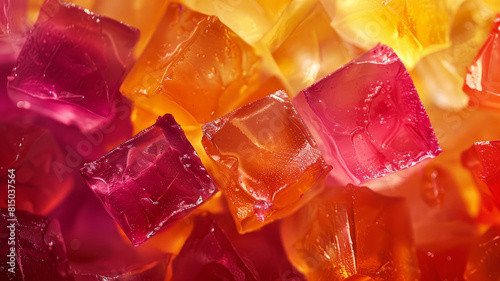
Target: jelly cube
<point>250,19</point>
<point>443,72</point>
<point>355,232</point>
<point>209,255</point>
<point>448,264</point>
<point>482,82</point>
<point>305,46</point>
<point>200,64</point>
<point>414,28</point>
<point>483,161</point>
<point>37,251</point>
<point>484,257</point>
<point>71,65</point>
<point>266,159</point>
<point>378,128</point>
<point>31,152</point>
<point>151,180</point>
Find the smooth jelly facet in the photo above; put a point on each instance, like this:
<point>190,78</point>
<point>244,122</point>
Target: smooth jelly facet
<point>266,160</point>
<point>368,119</point>
<point>71,65</point>
<point>151,180</point>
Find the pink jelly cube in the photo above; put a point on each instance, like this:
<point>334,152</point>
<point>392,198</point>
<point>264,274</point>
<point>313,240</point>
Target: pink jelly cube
<point>72,64</point>
<point>33,246</point>
<point>368,119</point>
<point>151,180</point>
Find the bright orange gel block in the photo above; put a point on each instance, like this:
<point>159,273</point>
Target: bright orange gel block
<point>355,232</point>
<point>412,28</point>
<point>198,63</point>
<point>266,160</point>
<point>482,82</point>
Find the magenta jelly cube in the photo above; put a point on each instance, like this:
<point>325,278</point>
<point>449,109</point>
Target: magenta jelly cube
<point>32,248</point>
<point>151,180</point>
<point>72,64</point>
<point>368,119</point>
<point>208,254</point>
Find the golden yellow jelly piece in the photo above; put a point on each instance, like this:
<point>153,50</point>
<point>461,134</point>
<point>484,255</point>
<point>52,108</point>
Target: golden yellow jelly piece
<point>199,64</point>
<point>355,232</point>
<point>250,19</point>
<point>443,72</point>
<point>412,28</point>
<point>310,49</point>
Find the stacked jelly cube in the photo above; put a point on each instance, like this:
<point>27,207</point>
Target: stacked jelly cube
<point>250,140</point>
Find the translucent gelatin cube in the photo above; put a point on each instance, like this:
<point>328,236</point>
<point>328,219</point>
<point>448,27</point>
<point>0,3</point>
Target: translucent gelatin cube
<point>33,246</point>
<point>414,28</point>
<point>266,159</point>
<point>31,152</point>
<point>484,257</point>
<point>151,180</point>
<point>200,64</point>
<point>355,235</point>
<point>483,161</point>
<point>305,45</point>
<point>71,65</point>
<point>482,82</point>
<point>209,255</point>
<point>250,19</point>
<point>368,119</point>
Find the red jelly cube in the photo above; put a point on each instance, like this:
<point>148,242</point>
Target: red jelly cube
<point>151,180</point>
<point>35,248</point>
<point>28,155</point>
<point>72,64</point>
<point>368,119</point>
<point>208,255</point>
<point>485,257</point>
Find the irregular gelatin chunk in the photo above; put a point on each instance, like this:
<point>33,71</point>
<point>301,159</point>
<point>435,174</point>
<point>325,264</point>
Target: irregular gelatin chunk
<point>482,82</point>
<point>37,251</point>
<point>305,46</point>
<point>266,159</point>
<point>155,270</point>
<point>151,180</point>
<point>443,72</point>
<point>209,255</point>
<point>485,257</point>
<point>27,154</point>
<point>413,28</point>
<point>483,161</point>
<point>368,119</point>
<point>71,65</point>
<point>357,232</point>
<point>198,63</point>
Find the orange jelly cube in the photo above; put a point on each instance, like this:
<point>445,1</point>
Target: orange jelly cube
<point>355,232</point>
<point>198,63</point>
<point>266,160</point>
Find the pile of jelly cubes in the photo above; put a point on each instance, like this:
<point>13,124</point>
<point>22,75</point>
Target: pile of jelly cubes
<point>250,140</point>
